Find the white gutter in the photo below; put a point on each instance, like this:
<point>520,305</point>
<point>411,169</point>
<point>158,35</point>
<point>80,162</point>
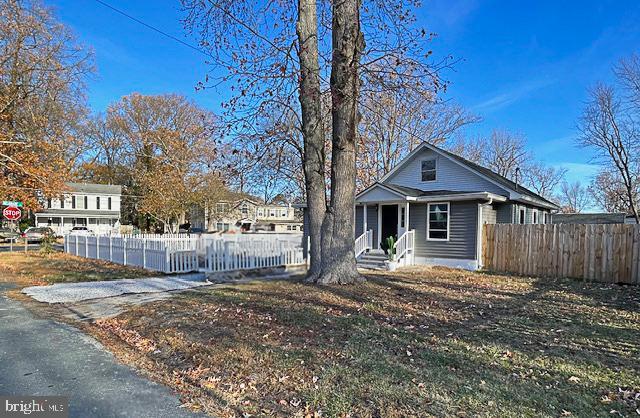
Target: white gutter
<point>526,199</point>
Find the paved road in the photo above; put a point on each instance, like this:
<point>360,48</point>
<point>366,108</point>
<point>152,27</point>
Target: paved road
<point>4,247</point>
<point>46,358</point>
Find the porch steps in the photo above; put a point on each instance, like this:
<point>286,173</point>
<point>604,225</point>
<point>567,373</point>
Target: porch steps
<point>372,260</point>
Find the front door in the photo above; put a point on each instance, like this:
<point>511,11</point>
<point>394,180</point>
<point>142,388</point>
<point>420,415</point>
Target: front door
<point>389,220</point>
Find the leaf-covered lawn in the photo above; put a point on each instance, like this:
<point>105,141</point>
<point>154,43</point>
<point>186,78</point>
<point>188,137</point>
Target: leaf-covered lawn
<point>34,268</point>
<point>422,343</point>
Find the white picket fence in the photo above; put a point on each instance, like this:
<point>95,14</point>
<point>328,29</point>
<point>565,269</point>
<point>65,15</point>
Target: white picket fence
<point>244,254</point>
<point>170,256</point>
<point>181,253</point>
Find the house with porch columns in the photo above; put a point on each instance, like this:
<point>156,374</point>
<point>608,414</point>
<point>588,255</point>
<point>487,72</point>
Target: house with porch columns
<point>434,204</point>
<point>96,206</point>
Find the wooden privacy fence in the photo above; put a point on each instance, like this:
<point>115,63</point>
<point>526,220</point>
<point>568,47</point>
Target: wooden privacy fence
<point>603,253</point>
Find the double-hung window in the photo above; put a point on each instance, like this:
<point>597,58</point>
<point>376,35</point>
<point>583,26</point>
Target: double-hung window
<point>429,170</point>
<point>438,222</point>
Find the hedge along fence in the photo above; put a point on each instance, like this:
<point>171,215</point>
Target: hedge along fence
<point>603,253</point>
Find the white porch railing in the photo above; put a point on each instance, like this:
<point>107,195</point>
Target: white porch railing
<point>364,242</point>
<point>404,248</point>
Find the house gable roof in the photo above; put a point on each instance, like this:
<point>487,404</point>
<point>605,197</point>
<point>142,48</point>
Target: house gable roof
<point>381,192</point>
<point>495,178</point>
<point>94,188</point>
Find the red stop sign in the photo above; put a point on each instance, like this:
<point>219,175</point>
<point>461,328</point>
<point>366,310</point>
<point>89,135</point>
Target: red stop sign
<point>12,213</point>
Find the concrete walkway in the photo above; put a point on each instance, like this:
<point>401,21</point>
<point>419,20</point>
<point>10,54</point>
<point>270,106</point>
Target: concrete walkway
<point>76,292</point>
<point>45,358</point>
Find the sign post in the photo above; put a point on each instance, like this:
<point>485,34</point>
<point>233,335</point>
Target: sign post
<point>13,213</point>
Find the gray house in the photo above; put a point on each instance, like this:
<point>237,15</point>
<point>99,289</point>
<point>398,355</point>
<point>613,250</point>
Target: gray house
<point>435,203</point>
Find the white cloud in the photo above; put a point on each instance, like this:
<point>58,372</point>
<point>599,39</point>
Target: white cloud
<point>581,172</point>
<point>511,95</point>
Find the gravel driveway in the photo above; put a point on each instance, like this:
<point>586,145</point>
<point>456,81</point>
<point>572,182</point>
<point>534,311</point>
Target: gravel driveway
<point>76,292</point>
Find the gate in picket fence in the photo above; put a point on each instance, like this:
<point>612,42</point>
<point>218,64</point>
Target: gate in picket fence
<point>245,254</point>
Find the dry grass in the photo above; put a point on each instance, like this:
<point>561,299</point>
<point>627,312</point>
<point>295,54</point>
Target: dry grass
<point>424,343</point>
<point>34,268</point>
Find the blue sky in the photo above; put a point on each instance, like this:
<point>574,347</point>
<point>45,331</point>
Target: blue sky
<point>526,69</point>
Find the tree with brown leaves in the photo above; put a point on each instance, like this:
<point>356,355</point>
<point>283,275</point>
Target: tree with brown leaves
<point>163,149</point>
<point>42,72</point>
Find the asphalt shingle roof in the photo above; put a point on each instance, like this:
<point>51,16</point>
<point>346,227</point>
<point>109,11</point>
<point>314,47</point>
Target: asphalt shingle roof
<point>496,177</point>
<point>95,188</point>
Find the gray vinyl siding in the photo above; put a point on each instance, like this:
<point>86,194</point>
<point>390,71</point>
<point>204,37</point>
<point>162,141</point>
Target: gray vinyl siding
<point>489,215</point>
<point>372,222</point>
<point>449,176</point>
<point>504,213</point>
<point>359,223</point>
<point>462,232</point>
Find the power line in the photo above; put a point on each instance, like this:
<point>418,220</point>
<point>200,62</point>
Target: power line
<point>153,28</point>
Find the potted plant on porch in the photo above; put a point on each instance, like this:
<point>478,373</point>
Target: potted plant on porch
<point>391,263</point>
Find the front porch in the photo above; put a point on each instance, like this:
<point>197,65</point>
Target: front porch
<point>62,225</point>
<point>429,228</point>
<point>374,225</point>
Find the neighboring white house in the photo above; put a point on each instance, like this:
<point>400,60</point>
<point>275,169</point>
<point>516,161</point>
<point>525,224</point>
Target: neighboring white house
<point>96,206</point>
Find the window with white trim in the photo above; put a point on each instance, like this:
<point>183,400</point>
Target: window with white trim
<point>429,170</point>
<point>535,217</point>
<point>438,222</point>
<point>221,207</point>
<point>523,217</point>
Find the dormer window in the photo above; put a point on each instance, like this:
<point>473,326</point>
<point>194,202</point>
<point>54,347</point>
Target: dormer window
<point>429,170</point>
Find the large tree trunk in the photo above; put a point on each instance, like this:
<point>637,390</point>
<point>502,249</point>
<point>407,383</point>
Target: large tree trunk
<point>338,261</point>
<point>312,128</point>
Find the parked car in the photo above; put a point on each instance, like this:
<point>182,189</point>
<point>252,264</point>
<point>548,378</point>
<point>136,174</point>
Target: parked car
<point>81,230</point>
<point>7,235</point>
<point>37,234</point>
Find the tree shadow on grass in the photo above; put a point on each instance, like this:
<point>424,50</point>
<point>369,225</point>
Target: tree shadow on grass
<point>372,364</point>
